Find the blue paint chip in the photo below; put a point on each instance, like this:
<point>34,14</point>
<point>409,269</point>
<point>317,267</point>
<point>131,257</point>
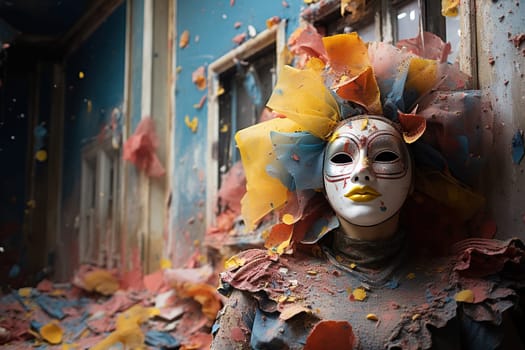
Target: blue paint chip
<point>14,271</point>
<point>161,340</point>
<point>215,328</point>
<point>518,149</point>
<point>392,284</point>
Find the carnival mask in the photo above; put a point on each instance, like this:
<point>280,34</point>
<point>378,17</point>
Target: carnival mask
<point>367,170</point>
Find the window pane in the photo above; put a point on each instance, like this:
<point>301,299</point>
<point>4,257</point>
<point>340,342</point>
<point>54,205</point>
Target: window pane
<point>453,33</point>
<point>247,87</point>
<point>368,32</point>
<point>407,21</point>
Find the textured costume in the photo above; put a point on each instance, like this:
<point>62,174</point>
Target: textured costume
<point>346,118</point>
<point>468,300</point>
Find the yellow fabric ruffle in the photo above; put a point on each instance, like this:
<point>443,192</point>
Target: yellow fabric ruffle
<point>263,192</point>
<point>302,97</point>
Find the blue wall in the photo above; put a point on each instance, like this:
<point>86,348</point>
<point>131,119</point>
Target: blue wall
<point>137,38</point>
<point>101,60</point>
<point>211,27</point>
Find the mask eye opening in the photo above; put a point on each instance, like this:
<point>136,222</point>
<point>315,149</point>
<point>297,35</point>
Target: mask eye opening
<point>341,158</point>
<point>386,157</point>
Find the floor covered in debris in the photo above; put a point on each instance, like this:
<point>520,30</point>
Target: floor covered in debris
<point>168,309</point>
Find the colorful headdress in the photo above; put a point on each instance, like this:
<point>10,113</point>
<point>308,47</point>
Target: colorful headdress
<point>340,76</point>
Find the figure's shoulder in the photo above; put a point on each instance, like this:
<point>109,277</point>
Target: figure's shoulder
<point>260,272</point>
<point>479,257</point>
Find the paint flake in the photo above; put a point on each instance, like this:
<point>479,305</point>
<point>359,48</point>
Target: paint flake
<point>198,77</point>
<point>184,39</point>
<point>465,296</point>
<point>359,294</point>
<point>192,124</point>
<point>239,38</point>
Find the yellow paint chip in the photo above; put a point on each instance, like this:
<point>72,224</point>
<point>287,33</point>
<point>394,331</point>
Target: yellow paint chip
<point>101,281</point>
<point>52,333</point>
<point>411,276</point>
<point>353,266</point>
<point>184,39</point>
<point>224,128</point>
<point>288,219</point>
<point>191,124</point>
<point>372,317</point>
<point>165,263</point>
<point>465,296</point>
<point>234,262</point>
<point>81,75</point>
<point>450,8</point>
<point>41,155</point>
<point>415,316</point>
<point>364,124</point>
<point>311,272</point>
<point>25,292</point>
<point>359,294</point>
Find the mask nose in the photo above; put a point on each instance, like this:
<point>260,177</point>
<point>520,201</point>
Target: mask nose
<point>363,172</point>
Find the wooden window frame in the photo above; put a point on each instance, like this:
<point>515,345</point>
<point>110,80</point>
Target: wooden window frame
<point>98,241</point>
<point>276,37</point>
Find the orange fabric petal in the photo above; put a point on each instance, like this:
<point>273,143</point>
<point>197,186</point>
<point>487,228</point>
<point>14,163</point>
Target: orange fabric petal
<point>333,335</point>
<point>413,126</point>
<point>362,90</point>
<point>205,295</point>
<point>279,238</point>
<point>347,53</point>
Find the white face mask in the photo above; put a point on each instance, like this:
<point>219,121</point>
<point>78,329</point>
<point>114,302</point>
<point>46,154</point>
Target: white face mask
<point>367,170</point>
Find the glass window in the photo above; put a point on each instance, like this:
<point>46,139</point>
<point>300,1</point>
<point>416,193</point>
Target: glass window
<point>368,32</point>
<point>453,35</point>
<point>408,18</point>
<point>247,86</point>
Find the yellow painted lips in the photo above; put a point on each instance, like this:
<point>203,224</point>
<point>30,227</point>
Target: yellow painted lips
<point>362,194</point>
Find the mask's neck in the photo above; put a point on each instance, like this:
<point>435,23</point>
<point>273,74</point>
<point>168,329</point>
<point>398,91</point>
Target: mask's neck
<point>381,231</point>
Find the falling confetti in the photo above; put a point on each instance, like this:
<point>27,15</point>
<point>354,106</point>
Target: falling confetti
<point>199,78</point>
<point>252,32</point>
<point>41,155</point>
<point>191,124</point>
<point>80,75</point>
<point>449,8</point>
<point>184,39</point>
<point>239,39</point>
<point>200,104</point>
<point>272,21</point>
